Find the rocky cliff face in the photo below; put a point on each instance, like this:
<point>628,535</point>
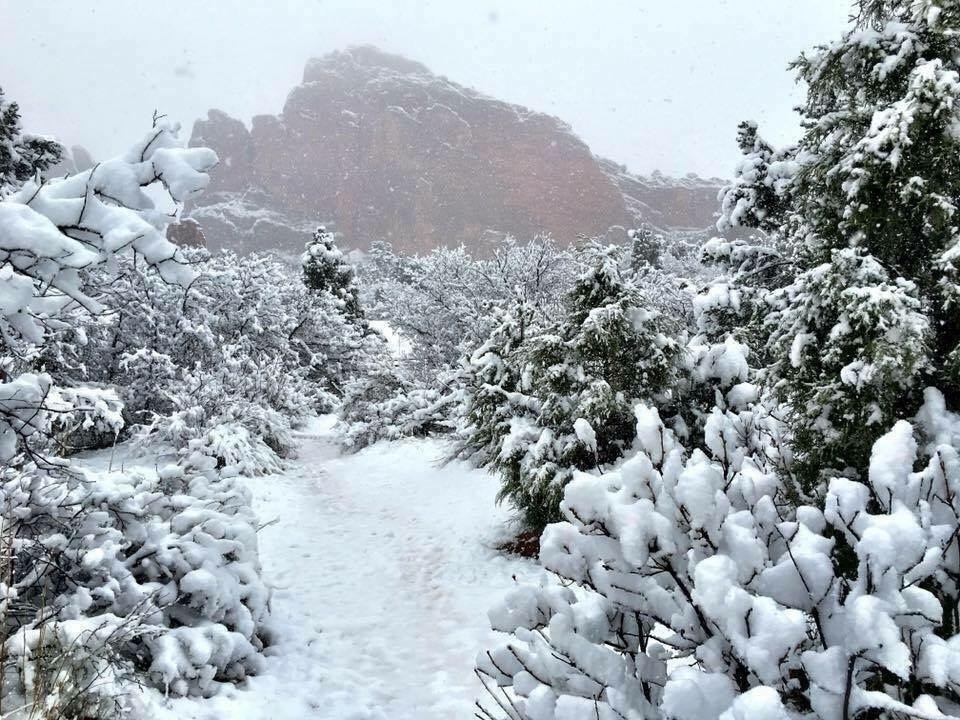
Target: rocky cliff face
<point>379,148</point>
<point>687,203</point>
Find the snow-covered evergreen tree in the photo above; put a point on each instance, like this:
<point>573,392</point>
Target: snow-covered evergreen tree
<point>862,214</point>
<point>645,247</point>
<point>754,257</point>
<point>873,316</point>
<point>544,405</point>
<point>851,347</point>
<point>759,196</point>
<point>326,270</point>
<point>494,401</point>
<point>22,156</point>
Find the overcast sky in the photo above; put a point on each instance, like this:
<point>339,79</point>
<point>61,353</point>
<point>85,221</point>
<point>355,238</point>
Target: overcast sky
<point>653,84</point>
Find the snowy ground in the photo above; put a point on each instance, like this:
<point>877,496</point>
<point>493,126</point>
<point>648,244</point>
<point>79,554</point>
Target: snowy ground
<point>383,571</point>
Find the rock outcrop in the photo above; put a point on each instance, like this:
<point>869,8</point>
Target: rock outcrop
<point>379,148</point>
<point>186,233</point>
<point>687,203</point>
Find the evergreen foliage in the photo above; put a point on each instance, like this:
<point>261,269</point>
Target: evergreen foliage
<point>542,404</point>
<point>862,212</point>
<point>850,348</point>
<point>786,545</point>
<point>326,270</point>
<point>22,156</point>
<point>760,194</point>
<point>646,245</point>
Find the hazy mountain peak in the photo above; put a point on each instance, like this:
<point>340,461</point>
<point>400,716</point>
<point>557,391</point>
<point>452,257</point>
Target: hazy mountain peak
<point>380,148</point>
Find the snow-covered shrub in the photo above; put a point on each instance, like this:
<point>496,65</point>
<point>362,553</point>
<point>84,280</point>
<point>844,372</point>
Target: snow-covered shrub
<point>541,403</point>
<point>172,553</point>
<point>235,428</point>
<point>667,292</point>
<point>441,302</point>
<point>169,558</point>
<point>245,345</point>
<point>54,233</point>
<point>82,418</point>
<point>72,669</point>
<point>382,406</point>
<point>703,592</point>
<point>443,305</point>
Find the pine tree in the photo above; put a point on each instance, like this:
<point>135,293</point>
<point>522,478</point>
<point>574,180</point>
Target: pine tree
<point>752,264</point>
<point>326,270</point>
<point>21,156</point>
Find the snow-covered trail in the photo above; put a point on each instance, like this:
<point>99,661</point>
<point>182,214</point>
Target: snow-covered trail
<point>383,571</point>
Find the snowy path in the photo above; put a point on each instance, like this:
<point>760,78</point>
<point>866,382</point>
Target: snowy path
<point>382,574</point>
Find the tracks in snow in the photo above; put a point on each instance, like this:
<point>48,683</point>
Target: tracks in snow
<point>382,574</point>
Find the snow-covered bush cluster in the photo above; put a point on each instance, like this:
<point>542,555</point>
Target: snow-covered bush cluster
<point>385,405</point>
<point>113,578</point>
<point>446,305</point>
<point>781,537</point>
<point>441,302</point>
<point>704,591</point>
<point>245,351</point>
<point>167,561</point>
<point>442,305</point>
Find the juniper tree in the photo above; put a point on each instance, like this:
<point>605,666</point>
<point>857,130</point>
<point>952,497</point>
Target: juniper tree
<point>759,196</point>
<point>645,247</point>
<point>326,270</point>
<point>563,399</point>
<point>864,211</point>
<point>494,397</point>
<point>21,155</point>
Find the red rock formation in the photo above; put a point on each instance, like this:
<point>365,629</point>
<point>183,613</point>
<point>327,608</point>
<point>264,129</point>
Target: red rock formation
<point>381,149</point>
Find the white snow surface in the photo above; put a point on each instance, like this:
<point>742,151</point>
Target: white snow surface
<point>399,346</point>
<point>383,569</point>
